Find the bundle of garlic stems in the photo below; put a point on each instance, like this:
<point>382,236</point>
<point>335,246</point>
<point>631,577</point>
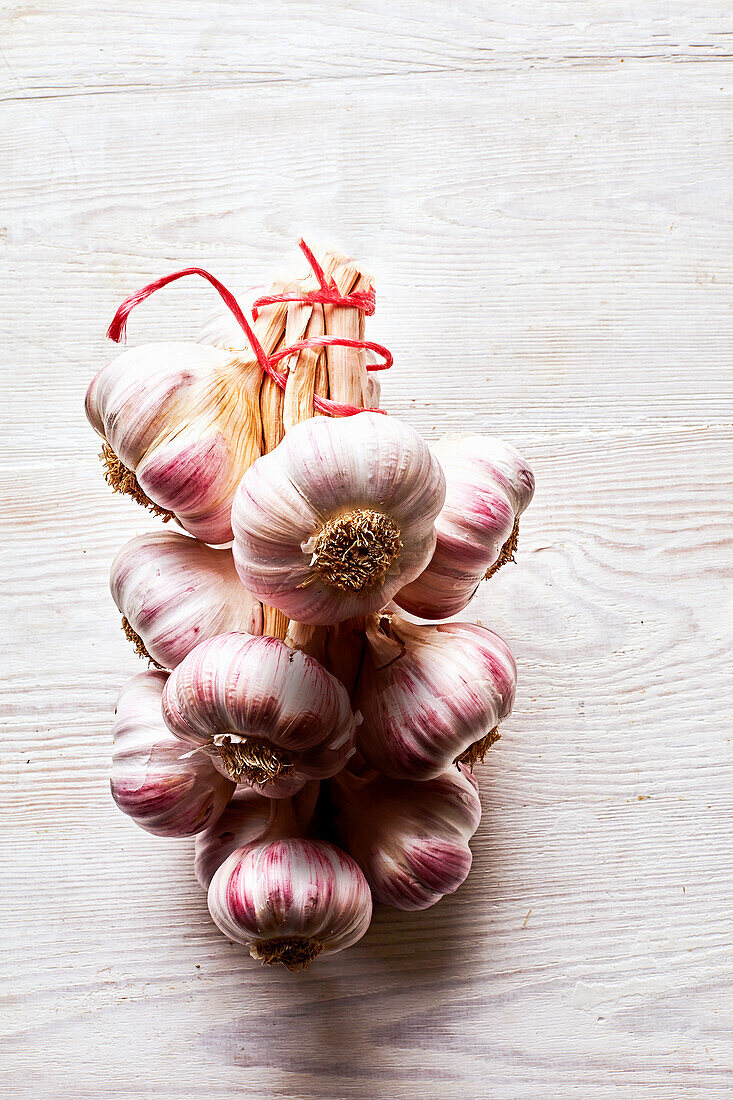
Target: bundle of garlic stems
<point>314,737</point>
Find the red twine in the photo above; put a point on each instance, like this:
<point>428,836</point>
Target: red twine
<point>328,293</point>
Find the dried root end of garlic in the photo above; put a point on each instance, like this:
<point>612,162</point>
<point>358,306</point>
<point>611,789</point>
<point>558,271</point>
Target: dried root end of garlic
<point>293,952</point>
<point>356,550</point>
<point>251,759</point>
<point>122,480</point>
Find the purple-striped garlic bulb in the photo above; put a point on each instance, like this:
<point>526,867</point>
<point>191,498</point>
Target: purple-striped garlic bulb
<point>244,821</point>
<point>174,592</point>
<point>156,780</point>
<point>181,425</point>
<point>431,695</point>
<point>488,486</point>
<point>338,517</point>
<point>266,714</point>
<point>410,839</point>
<point>290,899</point>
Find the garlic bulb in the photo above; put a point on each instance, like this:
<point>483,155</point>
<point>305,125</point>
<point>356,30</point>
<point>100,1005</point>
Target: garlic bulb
<point>181,424</point>
<point>156,780</point>
<point>337,518</point>
<point>245,820</point>
<point>174,592</point>
<point>290,899</point>
<point>266,714</point>
<point>488,486</point>
<point>410,839</point>
<point>430,695</point>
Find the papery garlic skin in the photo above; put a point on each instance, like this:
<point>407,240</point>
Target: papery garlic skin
<point>338,517</point>
<point>488,486</point>
<point>175,591</point>
<point>424,707</point>
<point>156,780</point>
<point>266,714</point>
<point>290,900</point>
<point>409,838</point>
<point>183,418</point>
<point>245,820</point>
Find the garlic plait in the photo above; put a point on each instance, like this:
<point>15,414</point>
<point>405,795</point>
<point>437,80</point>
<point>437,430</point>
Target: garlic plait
<point>431,695</point>
<point>410,839</point>
<point>156,780</point>
<point>290,898</point>
<point>175,591</point>
<point>267,715</point>
<point>338,517</point>
<point>488,486</point>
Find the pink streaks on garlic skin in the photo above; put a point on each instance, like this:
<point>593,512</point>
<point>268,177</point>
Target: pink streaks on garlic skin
<point>243,822</point>
<point>488,486</point>
<point>453,684</point>
<point>165,790</point>
<point>193,481</point>
<point>175,591</point>
<point>259,688</point>
<point>291,887</point>
<point>410,838</point>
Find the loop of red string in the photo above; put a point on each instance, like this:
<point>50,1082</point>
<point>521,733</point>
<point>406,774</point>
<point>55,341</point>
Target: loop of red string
<point>328,293</point>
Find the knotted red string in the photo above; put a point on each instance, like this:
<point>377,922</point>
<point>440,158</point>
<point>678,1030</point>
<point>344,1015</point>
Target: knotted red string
<point>328,293</point>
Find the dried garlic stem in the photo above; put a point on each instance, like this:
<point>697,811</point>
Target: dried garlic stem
<point>347,373</point>
<point>304,379</point>
<point>336,372</point>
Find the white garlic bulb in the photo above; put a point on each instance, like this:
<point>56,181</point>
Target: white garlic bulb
<point>156,780</point>
<point>488,486</point>
<point>338,517</point>
<point>289,898</point>
<point>267,715</point>
<point>174,592</point>
<point>181,423</point>
<point>429,693</point>
<point>410,839</point>
<point>246,819</point>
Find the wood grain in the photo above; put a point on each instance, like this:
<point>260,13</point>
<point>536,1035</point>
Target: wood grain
<point>542,194</point>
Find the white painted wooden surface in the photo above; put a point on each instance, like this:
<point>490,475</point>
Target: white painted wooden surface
<point>543,192</point>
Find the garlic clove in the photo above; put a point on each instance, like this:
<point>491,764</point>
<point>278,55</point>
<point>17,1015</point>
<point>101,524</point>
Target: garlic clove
<point>174,592</point>
<point>157,781</point>
<point>409,838</point>
<point>337,518</point>
<point>290,899</point>
<point>488,486</point>
<point>181,423</point>
<point>429,694</point>
<point>244,821</point>
<point>267,715</point>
